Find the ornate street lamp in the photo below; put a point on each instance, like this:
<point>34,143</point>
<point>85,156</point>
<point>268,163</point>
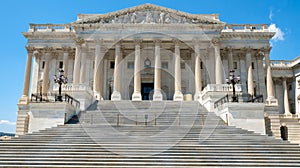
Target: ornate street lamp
<point>233,80</point>
<point>61,79</point>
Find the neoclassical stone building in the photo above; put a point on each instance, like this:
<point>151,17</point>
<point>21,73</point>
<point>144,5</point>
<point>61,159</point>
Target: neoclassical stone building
<point>154,53</point>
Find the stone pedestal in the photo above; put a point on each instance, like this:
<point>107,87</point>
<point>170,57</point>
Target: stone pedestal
<point>116,96</point>
<point>157,96</point>
<point>178,96</point>
<point>136,96</point>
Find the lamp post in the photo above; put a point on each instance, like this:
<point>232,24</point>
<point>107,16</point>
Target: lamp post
<point>233,80</point>
<point>61,79</point>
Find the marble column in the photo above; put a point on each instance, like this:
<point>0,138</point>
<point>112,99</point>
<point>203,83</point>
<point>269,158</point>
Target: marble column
<point>271,100</point>
<point>230,59</point>
<point>116,95</point>
<point>198,73</point>
<point>45,85</point>
<point>66,60</point>
<point>76,71</point>
<point>157,96</point>
<point>250,87</point>
<point>24,98</point>
<point>286,103</point>
<point>35,75</point>
<point>83,66</point>
<point>218,62</point>
<point>177,94</point>
<point>136,96</point>
<point>97,69</point>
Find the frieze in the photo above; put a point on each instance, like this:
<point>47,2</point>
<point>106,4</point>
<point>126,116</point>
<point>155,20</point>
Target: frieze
<point>145,14</point>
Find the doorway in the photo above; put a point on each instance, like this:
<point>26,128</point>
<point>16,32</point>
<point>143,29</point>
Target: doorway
<point>147,91</point>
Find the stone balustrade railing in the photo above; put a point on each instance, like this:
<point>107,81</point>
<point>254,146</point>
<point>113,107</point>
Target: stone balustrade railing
<point>221,88</point>
<point>70,87</point>
<point>246,28</point>
<point>280,63</point>
<point>50,28</point>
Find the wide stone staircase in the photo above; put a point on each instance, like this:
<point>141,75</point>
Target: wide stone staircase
<point>147,134</point>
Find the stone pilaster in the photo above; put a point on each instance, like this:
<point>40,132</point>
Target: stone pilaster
<point>230,58</point>
<point>250,87</point>
<point>35,73</point>
<point>45,85</point>
<point>218,62</point>
<point>116,95</point>
<point>177,94</point>
<point>136,96</point>
<point>76,71</point>
<point>271,100</point>
<point>286,103</point>
<point>97,69</point>
<point>157,96</point>
<point>198,73</point>
<point>66,51</point>
<point>24,98</point>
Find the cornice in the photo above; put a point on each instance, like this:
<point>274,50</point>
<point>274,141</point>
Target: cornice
<point>48,35</point>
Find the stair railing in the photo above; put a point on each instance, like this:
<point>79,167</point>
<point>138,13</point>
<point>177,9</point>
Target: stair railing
<point>221,101</point>
<point>52,97</point>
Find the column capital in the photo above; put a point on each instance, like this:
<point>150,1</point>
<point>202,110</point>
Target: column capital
<point>215,42</point>
<point>48,49</point>
<point>137,41</point>
<point>98,41</point>
<point>79,41</point>
<point>30,49</point>
<point>67,49</point>
<point>246,49</point>
<point>229,49</point>
<point>176,42</point>
<point>157,41</point>
<point>266,49</point>
<point>260,54</point>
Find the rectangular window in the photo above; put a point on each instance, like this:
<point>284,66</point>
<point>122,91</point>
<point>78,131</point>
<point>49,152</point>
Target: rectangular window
<point>252,65</point>
<point>235,66</point>
<point>61,64</point>
<point>201,65</point>
<point>130,65</point>
<point>182,65</point>
<point>112,64</point>
<point>164,65</point>
<point>43,64</point>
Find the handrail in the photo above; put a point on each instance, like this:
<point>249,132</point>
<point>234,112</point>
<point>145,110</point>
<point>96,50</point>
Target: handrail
<point>221,101</point>
<point>52,97</point>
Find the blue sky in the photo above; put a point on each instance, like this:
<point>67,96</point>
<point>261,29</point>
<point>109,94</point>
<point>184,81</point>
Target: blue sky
<point>283,16</point>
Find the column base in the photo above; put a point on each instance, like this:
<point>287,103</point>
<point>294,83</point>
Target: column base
<point>178,96</point>
<point>157,96</point>
<point>136,96</point>
<point>24,99</point>
<point>271,101</point>
<point>116,96</point>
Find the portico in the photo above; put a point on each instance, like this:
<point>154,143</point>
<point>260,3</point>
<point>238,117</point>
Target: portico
<point>151,53</point>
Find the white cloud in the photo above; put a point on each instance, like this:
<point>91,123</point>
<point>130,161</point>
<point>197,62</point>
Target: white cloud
<point>271,15</point>
<point>279,34</point>
<point>6,122</point>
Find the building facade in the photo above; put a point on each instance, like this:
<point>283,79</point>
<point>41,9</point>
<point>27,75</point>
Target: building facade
<point>154,53</point>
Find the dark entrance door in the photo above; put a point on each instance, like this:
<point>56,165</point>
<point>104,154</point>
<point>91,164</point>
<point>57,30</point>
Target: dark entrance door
<point>147,91</point>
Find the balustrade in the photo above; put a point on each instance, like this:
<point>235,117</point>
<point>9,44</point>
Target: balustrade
<point>50,28</point>
<point>246,27</point>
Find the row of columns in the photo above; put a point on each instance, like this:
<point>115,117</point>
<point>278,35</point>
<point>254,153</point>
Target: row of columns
<point>80,66</point>
<point>157,96</point>
<point>80,59</point>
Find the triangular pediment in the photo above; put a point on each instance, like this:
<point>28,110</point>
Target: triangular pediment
<point>147,14</point>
